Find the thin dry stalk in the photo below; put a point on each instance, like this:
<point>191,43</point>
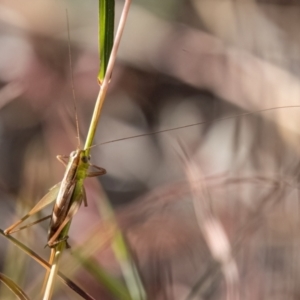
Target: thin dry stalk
<point>211,228</point>
<point>91,133</point>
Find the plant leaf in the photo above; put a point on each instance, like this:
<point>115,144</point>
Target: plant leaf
<point>13,287</point>
<point>105,34</point>
<point>112,284</point>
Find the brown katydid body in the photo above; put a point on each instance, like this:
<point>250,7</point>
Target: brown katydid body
<point>62,203</point>
<point>76,172</point>
<point>61,193</point>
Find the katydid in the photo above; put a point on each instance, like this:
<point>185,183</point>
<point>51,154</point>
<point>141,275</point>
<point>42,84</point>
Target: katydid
<point>76,172</point>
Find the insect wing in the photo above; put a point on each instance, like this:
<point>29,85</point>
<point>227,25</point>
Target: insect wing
<point>59,212</point>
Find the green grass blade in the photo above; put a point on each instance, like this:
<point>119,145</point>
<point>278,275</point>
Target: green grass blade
<point>105,34</point>
<point>13,287</point>
<point>116,288</point>
<point>129,270</point>
<point>123,254</point>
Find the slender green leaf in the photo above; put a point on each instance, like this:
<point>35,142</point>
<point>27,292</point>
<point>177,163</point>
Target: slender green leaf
<point>122,253</point>
<point>129,270</point>
<point>106,34</point>
<point>94,268</point>
<point>13,287</point>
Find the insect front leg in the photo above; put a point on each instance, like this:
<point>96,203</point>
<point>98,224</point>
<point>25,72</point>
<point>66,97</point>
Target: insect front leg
<point>63,159</point>
<point>100,171</point>
<point>47,199</point>
<point>30,224</point>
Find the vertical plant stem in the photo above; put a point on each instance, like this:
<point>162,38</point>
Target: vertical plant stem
<point>53,272</point>
<point>106,13</point>
<point>90,137</point>
<point>105,83</point>
<point>120,248</point>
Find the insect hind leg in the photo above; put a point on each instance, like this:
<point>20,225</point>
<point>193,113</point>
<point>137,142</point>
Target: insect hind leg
<point>100,171</point>
<point>11,231</point>
<point>47,199</point>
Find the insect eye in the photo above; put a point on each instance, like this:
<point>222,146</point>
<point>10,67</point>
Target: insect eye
<point>85,159</point>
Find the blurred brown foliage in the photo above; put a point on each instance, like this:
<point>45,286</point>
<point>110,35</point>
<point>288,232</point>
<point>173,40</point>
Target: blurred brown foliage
<point>226,229</point>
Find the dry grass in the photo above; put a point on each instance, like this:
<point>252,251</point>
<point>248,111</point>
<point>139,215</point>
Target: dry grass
<point>220,221</point>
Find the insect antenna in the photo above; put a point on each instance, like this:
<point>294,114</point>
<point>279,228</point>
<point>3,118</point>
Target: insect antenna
<point>72,83</point>
<point>197,124</point>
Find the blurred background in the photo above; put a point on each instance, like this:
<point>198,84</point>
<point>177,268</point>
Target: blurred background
<point>210,211</point>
